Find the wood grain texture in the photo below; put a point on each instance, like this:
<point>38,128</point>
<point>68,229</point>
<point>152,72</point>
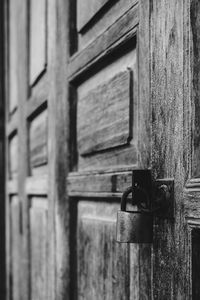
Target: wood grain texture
<point>58,151</point>
<point>118,156</point>
<point>191,203</point>
<point>38,140</point>
<point>108,276</point>
<point>13,157</point>
<point>108,15</point>
<point>100,46</point>
<point>38,246</point>
<point>169,275</point>
<point>86,10</point>
<point>98,183</point>
<point>38,32</point>
<point>105,115</point>
<point>16,240</point>
<point>22,26</point>
<point>195,91</point>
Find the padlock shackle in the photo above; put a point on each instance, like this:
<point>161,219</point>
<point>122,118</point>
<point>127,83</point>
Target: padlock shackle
<point>129,190</point>
<point>124,197</point>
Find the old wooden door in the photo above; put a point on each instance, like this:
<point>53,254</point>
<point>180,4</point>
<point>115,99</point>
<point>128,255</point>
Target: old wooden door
<point>110,135</point>
<point>28,57</point>
<point>96,89</point>
<point>134,104</point>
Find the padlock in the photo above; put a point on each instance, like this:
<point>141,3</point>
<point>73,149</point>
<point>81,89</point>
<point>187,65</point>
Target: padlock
<point>134,226</point>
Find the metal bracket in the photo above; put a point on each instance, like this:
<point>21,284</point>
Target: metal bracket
<point>164,198</point>
<point>156,195</point>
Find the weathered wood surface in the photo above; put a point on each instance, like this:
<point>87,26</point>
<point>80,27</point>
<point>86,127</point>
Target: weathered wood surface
<point>38,248</point>
<point>22,26</point>
<point>118,156</point>
<point>169,261</point>
<point>195,91</point>
<point>86,10</point>
<point>13,157</point>
<point>98,183</point>
<point>108,15</point>
<point>103,264</point>
<point>37,185</point>
<point>144,104</point>
<point>13,55</point>
<point>38,140</point>
<point>38,36</point>
<point>192,203</point>
<point>105,115</point>
<point>15,250</point>
<point>58,152</point>
<point>122,29</point>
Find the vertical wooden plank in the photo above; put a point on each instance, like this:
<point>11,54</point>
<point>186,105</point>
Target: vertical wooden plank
<point>38,140</point>
<point>22,82</point>
<point>38,248</point>
<point>167,143</point>
<point>38,32</point>
<point>15,248</point>
<point>103,264</point>
<point>7,105</point>
<point>13,156</point>
<point>58,124</point>
<point>134,272</point>
<point>144,105</point>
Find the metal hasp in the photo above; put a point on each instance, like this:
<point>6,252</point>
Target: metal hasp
<point>149,199</point>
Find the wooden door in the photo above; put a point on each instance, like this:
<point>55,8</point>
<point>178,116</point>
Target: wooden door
<point>95,90</point>
<point>28,65</point>
<point>110,126</point>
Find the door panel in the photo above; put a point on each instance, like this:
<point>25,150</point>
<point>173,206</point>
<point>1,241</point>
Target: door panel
<point>13,156</point>
<point>15,240</point>
<point>107,115</point>
<point>96,20</point>
<point>102,270</point>
<point>38,247</point>
<point>38,38</point>
<point>38,135</point>
<point>27,137</point>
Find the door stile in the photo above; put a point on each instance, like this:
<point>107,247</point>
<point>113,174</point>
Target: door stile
<point>167,73</point>
<point>58,154</point>
<point>22,147</point>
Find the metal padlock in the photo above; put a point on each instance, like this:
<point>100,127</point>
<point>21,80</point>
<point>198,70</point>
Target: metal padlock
<point>134,226</point>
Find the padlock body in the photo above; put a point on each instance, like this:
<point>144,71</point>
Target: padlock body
<point>134,227</point>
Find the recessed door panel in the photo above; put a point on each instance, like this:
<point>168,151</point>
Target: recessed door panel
<point>38,38</point>
<point>15,242</point>
<point>38,247</point>
<point>107,114</point>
